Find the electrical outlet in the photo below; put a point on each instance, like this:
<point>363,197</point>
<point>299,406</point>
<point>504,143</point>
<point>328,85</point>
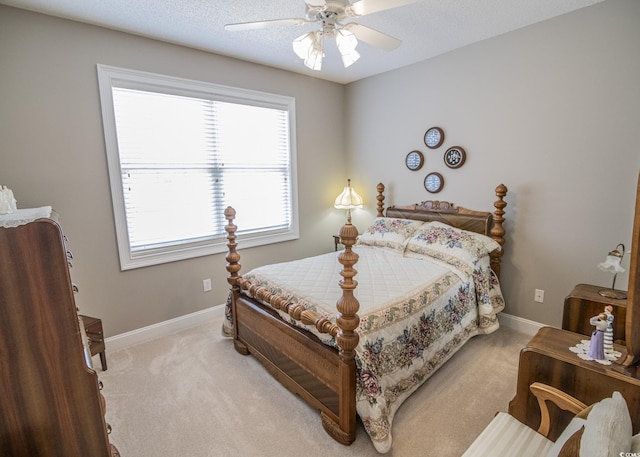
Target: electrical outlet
<point>539,296</point>
<point>206,284</point>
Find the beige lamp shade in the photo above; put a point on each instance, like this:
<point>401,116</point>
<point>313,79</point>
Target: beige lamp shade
<point>348,199</point>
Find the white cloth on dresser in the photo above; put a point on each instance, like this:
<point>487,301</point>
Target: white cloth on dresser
<point>24,216</point>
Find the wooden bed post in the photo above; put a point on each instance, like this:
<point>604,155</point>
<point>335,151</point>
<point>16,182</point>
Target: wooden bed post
<point>233,267</point>
<point>348,304</point>
<point>497,231</point>
<point>347,340</point>
<point>233,258</point>
<point>380,198</point>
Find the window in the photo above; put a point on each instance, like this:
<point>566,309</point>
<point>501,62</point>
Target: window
<point>179,152</point>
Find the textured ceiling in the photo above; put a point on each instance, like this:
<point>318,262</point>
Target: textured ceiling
<point>427,28</point>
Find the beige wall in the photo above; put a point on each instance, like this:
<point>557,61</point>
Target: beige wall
<point>551,111</point>
<point>52,153</point>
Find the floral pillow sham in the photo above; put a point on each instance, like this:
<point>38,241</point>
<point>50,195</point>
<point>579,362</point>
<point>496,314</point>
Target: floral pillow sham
<point>456,247</point>
<point>389,233</point>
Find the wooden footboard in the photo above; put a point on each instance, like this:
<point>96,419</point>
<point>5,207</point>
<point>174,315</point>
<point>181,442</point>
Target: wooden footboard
<point>325,377</point>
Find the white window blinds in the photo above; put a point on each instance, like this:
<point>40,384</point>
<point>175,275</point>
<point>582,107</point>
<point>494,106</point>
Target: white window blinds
<point>181,155</point>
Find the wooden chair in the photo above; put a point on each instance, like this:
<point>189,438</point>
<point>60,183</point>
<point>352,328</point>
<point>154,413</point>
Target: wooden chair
<point>608,432</point>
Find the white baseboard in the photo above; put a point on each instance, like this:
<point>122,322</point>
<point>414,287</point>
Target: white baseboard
<point>162,329</point>
<point>519,324</point>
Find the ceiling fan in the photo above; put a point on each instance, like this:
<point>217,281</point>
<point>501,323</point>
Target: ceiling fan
<point>330,14</point>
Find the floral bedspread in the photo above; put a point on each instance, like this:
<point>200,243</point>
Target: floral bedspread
<point>415,312</point>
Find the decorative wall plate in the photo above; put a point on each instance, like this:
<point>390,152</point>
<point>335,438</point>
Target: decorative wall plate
<point>414,160</point>
<point>454,157</point>
<point>434,182</point>
<point>434,137</point>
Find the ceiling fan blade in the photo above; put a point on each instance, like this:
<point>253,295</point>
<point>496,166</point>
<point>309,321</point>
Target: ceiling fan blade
<point>362,7</point>
<point>373,37</point>
<point>240,26</point>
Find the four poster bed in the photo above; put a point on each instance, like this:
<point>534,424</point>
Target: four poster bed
<point>427,281</point>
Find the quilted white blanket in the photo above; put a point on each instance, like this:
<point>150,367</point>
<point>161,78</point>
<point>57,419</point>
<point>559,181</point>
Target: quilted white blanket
<point>415,313</point>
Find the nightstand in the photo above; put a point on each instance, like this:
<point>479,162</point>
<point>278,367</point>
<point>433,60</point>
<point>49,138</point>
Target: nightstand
<point>93,328</point>
<point>584,302</point>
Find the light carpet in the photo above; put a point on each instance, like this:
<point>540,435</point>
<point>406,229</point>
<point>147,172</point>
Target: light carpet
<point>192,395</point>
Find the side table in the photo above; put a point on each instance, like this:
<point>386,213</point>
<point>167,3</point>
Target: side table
<point>93,328</point>
<point>548,359</point>
<point>584,302</point>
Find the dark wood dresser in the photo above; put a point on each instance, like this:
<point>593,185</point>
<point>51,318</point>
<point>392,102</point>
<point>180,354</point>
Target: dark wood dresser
<point>50,400</point>
<point>548,359</point>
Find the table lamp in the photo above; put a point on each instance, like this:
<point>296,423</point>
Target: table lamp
<point>612,265</point>
<point>348,200</point>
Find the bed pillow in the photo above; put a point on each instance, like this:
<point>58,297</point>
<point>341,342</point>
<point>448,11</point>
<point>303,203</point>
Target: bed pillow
<point>449,244</point>
<point>608,429</point>
<point>389,233</point>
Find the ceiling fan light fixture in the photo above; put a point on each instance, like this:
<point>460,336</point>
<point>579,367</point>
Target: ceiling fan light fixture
<point>314,61</point>
<point>309,48</point>
<point>303,44</point>
<point>347,43</point>
<point>329,15</point>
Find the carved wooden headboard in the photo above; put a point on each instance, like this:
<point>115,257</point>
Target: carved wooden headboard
<point>486,223</point>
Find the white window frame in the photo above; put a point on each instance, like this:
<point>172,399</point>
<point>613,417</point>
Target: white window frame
<point>108,76</point>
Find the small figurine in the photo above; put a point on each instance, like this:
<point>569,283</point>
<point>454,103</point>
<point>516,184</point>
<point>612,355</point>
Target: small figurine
<point>596,347</point>
<point>608,334</point>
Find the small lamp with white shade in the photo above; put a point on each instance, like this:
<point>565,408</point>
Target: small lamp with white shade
<point>612,265</point>
<point>348,199</point>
